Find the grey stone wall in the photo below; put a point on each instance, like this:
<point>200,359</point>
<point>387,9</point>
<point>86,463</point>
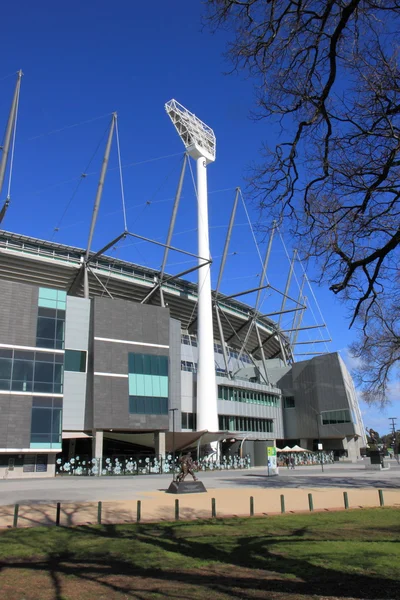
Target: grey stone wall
<point>15,421</point>
<point>130,322</point>
<point>18,323</point>
<point>175,373</point>
<point>18,315</point>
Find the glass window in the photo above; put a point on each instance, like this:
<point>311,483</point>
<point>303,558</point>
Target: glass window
<point>47,293</point>
<point>41,463</point>
<point>143,405</point>
<point>56,426</point>
<point>41,421</point>
<point>154,365</point>
<point>5,368</point>
<point>288,402</point>
<point>155,404</point>
<point>188,421</point>
<point>29,463</point>
<point>192,420</point>
<point>46,357</point>
<point>5,384</point>
<point>163,365</point>
<point>245,424</point>
<point>44,372</point>
<point>75,360</point>
<point>47,312</point>
<point>60,327</point>
<point>184,420</point>
<point>51,322</point>
<point>49,298</point>
<point>46,328</point>
<point>23,355</point>
<point>22,375</point>
<point>140,405</point>
<point>335,417</point>
<point>146,364</point>
<point>46,423</point>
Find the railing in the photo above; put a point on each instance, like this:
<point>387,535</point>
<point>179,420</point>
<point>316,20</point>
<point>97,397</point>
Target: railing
<point>142,465</point>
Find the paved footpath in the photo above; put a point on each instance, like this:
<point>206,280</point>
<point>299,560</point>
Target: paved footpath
<point>231,489</point>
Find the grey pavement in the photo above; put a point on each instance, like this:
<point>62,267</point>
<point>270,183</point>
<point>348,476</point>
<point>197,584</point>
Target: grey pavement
<point>114,488</point>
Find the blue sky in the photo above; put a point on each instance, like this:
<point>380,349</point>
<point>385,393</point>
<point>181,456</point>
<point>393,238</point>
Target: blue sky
<point>84,60</point>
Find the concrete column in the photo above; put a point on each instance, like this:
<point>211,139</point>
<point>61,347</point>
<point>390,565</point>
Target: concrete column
<point>159,444</point>
<point>305,443</point>
<point>352,450</point>
<point>97,447</point>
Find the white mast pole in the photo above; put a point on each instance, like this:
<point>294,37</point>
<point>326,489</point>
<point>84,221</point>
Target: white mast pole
<point>207,411</point>
<point>200,144</point>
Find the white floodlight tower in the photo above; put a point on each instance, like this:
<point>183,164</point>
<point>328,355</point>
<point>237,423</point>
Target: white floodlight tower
<point>199,141</point>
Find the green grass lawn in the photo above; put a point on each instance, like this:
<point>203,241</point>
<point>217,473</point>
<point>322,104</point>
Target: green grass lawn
<point>352,554</point>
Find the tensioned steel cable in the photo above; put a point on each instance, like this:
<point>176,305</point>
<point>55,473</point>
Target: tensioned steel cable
<point>120,176</point>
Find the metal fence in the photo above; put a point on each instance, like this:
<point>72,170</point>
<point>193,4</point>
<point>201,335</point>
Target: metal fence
<point>142,465</point>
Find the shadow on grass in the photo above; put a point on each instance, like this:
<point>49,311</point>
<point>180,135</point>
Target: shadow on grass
<point>199,567</point>
<point>302,481</point>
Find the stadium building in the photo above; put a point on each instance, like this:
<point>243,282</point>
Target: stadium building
<point>101,375</point>
<point>103,357</point>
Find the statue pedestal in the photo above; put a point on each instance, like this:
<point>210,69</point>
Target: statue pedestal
<point>186,487</point>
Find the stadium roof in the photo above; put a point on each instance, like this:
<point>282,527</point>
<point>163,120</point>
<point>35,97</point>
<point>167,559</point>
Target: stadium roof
<point>38,262</point>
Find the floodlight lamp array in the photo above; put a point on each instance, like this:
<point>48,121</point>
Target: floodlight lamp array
<point>198,138</point>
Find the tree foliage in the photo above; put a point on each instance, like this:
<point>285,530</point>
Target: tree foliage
<point>327,71</point>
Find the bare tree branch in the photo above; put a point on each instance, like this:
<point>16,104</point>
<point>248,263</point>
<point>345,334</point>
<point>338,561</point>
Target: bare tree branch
<point>328,72</point>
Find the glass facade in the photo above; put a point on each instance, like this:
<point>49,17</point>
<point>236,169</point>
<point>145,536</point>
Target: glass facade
<point>334,417</point>
<point>188,421</point>
<point>235,423</point>
<point>75,360</point>
<point>51,318</point>
<point>46,424</point>
<point>245,395</point>
<point>148,384</point>
<point>29,371</point>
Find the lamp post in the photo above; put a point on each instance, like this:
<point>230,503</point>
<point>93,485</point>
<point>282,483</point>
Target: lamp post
<point>173,441</point>
<point>199,141</point>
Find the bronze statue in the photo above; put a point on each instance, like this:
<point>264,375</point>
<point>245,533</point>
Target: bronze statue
<point>373,435</point>
<point>187,466</point>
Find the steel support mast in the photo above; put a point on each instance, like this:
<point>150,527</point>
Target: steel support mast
<point>7,140</point>
<point>97,201</point>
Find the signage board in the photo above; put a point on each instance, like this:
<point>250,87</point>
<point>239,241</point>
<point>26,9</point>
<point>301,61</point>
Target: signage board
<point>271,454</point>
